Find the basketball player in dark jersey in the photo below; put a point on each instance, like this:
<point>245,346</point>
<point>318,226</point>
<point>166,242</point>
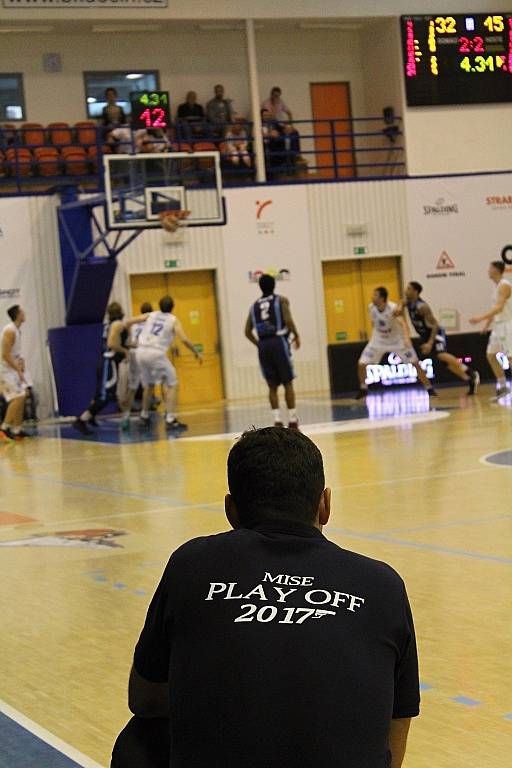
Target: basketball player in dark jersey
<point>115,349</point>
<point>271,320</point>
<point>433,336</point>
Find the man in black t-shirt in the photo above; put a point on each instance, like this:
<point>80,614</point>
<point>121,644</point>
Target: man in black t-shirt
<point>270,646</point>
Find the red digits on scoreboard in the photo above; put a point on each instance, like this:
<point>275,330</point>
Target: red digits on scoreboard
<point>467,45</point>
<point>158,118</point>
<point>153,118</point>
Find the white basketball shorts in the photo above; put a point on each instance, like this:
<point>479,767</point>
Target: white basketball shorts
<point>375,350</point>
<point>500,339</point>
<point>11,385</point>
<point>155,367</point>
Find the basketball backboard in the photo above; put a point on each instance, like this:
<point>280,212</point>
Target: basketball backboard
<point>139,187</point>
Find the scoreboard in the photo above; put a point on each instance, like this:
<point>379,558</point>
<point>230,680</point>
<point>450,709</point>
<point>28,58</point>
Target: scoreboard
<point>150,109</point>
<point>459,59</point>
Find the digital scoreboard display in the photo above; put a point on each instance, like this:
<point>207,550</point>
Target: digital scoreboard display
<point>459,59</point>
<point>150,109</point>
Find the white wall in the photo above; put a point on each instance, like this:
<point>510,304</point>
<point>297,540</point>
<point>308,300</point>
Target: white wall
<point>262,9</point>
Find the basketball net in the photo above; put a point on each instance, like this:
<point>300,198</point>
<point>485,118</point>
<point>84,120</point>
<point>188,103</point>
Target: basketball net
<point>173,225</point>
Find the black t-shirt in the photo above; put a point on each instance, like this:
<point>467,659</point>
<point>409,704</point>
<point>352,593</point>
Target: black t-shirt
<point>282,650</point>
<point>190,112</point>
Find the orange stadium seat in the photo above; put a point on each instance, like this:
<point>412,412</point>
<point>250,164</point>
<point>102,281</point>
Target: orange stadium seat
<point>19,161</point>
<point>75,160</point>
<point>60,134</point>
<point>92,153</point>
<point>86,133</point>
<point>205,146</point>
<point>3,171</point>
<point>33,134</point>
<point>48,161</point>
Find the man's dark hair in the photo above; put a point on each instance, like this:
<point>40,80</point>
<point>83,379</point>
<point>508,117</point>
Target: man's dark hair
<point>267,284</point>
<point>499,265</point>
<point>166,304</point>
<point>276,89</point>
<point>13,312</point>
<point>416,286</point>
<point>145,308</point>
<point>383,292</point>
<point>110,90</point>
<point>275,474</point>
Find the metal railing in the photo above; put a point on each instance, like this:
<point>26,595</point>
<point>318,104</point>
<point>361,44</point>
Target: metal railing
<point>37,158</point>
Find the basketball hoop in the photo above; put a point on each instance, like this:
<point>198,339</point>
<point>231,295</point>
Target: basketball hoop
<point>171,220</point>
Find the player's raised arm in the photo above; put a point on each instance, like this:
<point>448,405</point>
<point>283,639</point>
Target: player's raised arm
<point>288,321</point>
<point>182,336</point>
<point>249,328</point>
<point>503,295</point>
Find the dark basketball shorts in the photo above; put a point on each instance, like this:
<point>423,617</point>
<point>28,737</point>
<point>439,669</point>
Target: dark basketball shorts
<point>275,360</point>
<point>439,344</point>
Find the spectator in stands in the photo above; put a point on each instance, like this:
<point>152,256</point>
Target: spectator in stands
<point>282,115</point>
<point>190,118</point>
<point>219,111</point>
<point>236,148</point>
<point>273,142</point>
<point>112,113</point>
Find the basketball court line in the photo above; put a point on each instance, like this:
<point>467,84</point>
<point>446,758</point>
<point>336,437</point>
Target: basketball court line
<point>76,757</point>
<point>506,464</point>
<point>330,427</point>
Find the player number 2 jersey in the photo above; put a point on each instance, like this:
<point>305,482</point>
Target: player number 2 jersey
<point>158,331</point>
<point>385,325</point>
<point>267,318</point>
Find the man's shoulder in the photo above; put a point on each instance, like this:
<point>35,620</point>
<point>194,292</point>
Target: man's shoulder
<point>202,546</point>
<point>367,567</point>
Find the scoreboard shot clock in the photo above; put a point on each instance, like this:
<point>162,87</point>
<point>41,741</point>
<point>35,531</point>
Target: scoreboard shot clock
<point>457,59</point>
<point>150,109</point>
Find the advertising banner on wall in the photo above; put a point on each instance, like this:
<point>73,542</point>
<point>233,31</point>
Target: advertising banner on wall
<point>457,226</point>
<point>268,232</point>
<point>17,284</point>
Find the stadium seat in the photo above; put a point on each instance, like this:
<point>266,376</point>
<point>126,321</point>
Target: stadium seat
<point>86,133</point>
<point>48,161</point>
<point>19,161</point>
<point>3,170</point>
<point>32,134</point>
<point>92,153</point>
<point>75,160</point>
<point>60,134</point>
<point>205,146</point>
<point>180,146</point>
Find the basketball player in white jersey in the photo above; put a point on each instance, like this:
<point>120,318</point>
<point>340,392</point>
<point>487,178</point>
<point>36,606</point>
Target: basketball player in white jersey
<point>13,385</point>
<point>156,338</point>
<point>499,320</point>
<point>389,335</point>
<point>132,381</point>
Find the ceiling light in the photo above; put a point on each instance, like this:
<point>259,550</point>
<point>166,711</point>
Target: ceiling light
<point>91,100</point>
<point>134,76</point>
<point>348,27</point>
<point>126,28</point>
<point>24,30</point>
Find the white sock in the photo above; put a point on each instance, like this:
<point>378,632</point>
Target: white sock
<point>86,415</point>
<point>144,415</point>
<point>170,417</point>
<point>502,382</point>
<point>126,414</point>
<point>292,414</point>
<point>276,414</point>
<point>5,426</point>
<point>16,430</point>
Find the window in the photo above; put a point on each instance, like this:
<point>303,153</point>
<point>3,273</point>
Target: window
<point>12,100</point>
<point>124,83</point>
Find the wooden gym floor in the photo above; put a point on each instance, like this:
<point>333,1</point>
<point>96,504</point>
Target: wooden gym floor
<point>86,527</point>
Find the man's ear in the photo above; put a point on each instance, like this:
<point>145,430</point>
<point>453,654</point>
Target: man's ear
<point>231,511</point>
<point>324,507</point>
